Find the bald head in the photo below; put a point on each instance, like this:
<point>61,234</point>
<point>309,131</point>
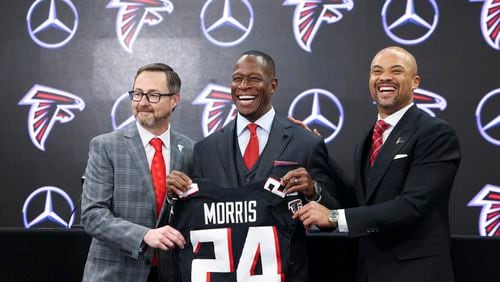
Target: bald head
<point>409,59</point>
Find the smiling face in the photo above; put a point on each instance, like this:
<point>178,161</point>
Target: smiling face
<point>253,83</point>
<point>393,77</point>
<point>154,117</point>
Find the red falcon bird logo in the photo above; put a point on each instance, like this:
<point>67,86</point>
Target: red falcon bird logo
<point>219,108</point>
<point>48,105</point>
<point>490,22</point>
<point>133,14</point>
<point>428,101</point>
<point>489,220</point>
<point>310,14</point>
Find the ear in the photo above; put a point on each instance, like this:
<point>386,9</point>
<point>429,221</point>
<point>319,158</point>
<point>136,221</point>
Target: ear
<point>274,85</point>
<point>415,82</point>
<point>176,99</point>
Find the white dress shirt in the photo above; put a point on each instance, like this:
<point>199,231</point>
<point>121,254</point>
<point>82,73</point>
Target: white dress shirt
<point>264,128</point>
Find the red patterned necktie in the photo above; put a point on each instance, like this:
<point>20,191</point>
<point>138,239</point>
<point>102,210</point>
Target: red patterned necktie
<point>252,151</point>
<point>377,140</point>
<point>159,173</point>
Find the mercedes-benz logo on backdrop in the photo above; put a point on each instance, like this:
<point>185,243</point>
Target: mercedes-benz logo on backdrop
<point>408,23</point>
<point>226,23</point>
<point>52,23</point>
<point>488,117</point>
<point>121,113</point>
<point>319,108</point>
<point>46,204</point>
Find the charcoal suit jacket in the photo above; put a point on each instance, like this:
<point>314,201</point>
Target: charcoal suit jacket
<point>402,215</point>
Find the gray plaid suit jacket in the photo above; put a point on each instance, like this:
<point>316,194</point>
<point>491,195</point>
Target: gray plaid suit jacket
<point>118,205</point>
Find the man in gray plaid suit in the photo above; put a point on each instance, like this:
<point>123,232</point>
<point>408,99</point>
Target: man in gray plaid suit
<point>132,240</point>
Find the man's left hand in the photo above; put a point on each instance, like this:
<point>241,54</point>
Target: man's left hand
<point>299,180</point>
<point>178,182</point>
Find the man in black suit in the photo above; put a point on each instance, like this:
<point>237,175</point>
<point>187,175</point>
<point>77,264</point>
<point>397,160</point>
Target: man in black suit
<point>285,150</point>
<point>403,186</point>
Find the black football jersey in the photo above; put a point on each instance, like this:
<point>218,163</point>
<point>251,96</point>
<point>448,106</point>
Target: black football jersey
<point>235,234</point>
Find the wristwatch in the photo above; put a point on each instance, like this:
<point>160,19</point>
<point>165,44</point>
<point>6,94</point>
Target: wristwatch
<point>317,193</point>
<point>333,217</point>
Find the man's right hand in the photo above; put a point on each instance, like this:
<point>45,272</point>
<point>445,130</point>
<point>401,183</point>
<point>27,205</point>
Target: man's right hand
<point>178,182</point>
<point>303,125</point>
<point>164,238</point>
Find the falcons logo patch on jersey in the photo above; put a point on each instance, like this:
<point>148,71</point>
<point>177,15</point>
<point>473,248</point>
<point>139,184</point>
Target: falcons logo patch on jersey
<point>48,105</point>
<point>219,108</point>
<point>310,14</point>
<point>133,14</point>
<point>428,101</point>
<point>490,22</point>
<point>489,219</point>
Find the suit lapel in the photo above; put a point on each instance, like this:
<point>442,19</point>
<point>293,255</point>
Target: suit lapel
<point>138,156</point>
<point>394,143</point>
<point>359,165</point>
<point>279,137</point>
<point>226,152</point>
<point>176,149</point>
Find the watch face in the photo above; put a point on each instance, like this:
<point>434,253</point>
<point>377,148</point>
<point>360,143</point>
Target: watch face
<point>333,216</point>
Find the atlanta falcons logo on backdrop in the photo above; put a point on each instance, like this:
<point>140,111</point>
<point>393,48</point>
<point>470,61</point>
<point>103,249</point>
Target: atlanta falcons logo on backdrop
<point>490,22</point>
<point>219,108</point>
<point>48,105</point>
<point>133,14</point>
<point>428,101</point>
<point>489,220</point>
<point>310,14</point>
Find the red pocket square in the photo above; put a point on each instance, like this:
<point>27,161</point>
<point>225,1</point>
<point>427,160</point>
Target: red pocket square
<point>284,163</point>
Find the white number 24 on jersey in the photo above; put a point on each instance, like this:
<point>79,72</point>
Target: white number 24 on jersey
<point>260,241</point>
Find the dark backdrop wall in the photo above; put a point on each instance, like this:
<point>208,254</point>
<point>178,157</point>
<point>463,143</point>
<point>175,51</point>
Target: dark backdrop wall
<point>65,66</point>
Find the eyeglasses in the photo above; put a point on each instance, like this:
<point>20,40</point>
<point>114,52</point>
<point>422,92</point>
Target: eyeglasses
<point>136,96</point>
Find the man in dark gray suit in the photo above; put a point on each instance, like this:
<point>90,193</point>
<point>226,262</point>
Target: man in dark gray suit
<point>403,186</point>
<point>122,209</point>
<point>285,150</point>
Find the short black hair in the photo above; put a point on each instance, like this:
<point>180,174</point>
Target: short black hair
<point>267,59</point>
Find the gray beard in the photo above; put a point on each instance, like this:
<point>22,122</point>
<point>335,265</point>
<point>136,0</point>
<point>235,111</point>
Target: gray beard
<point>148,122</point>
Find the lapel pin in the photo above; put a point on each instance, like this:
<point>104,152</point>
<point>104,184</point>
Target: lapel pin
<point>180,147</point>
<point>400,140</point>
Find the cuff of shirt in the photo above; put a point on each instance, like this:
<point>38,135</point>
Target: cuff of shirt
<point>342,223</point>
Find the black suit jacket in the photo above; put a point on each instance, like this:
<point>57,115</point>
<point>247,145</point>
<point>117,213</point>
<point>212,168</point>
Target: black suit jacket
<point>215,157</point>
<point>402,218</point>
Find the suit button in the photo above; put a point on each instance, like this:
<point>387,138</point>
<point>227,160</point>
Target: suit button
<point>247,180</point>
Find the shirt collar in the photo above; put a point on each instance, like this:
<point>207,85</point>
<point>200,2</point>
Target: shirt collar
<point>146,136</point>
<point>264,122</point>
<point>394,118</point>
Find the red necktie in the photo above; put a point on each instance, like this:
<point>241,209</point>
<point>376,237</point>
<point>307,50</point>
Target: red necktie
<point>159,174</point>
<point>378,130</point>
<point>252,151</point>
